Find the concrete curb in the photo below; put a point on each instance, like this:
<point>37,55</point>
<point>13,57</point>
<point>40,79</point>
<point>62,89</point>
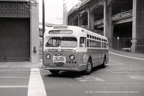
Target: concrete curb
<point>137,55</point>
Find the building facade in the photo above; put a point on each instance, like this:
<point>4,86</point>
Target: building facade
<point>122,21</point>
<point>19,30</point>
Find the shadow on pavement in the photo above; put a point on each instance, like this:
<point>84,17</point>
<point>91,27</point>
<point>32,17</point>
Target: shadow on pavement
<point>71,74</point>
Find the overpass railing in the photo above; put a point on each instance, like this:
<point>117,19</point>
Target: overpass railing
<point>122,15</point>
<point>119,16</point>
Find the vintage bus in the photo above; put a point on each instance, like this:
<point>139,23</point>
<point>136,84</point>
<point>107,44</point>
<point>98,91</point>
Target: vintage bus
<point>72,48</point>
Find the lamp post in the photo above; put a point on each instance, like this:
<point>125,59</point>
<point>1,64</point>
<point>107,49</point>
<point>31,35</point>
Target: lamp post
<point>43,27</point>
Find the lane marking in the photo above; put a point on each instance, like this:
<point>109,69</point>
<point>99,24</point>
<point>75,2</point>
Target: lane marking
<point>14,77</point>
<point>115,92</point>
<point>137,77</point>
<point>121,72</point>
<point>90,78</point>
<point>126,56</point>
<point>36,86</point>
<point>13,86</point>
<point>118,63</point>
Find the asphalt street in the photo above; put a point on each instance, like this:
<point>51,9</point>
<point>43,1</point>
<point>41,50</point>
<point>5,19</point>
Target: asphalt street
<point>123,76</point>
<point>14,82</point>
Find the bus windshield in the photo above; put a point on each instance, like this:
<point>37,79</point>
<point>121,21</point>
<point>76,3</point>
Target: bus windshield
<point>62,42</point>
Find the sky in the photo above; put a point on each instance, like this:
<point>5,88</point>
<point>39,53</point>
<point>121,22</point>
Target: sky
<point>54,10</point>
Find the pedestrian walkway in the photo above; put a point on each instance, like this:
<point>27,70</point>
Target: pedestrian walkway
<point>36,86</point>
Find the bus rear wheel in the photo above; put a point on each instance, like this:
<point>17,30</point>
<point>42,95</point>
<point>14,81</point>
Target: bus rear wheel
<point>54,71</point>
<point>88,68</point>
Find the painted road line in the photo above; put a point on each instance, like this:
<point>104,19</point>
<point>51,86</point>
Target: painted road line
<point>137,77</point>
<point>36,85</point>
<point>114,92</point>
<point>126,56</point>
<point>116,63</point>
<point>14,77</point>
<point>90,78</point>
<point>13,86</point>
<point>125,72</point>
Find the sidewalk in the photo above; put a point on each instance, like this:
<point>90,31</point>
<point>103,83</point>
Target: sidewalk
<point>19,65</point>
<point>137,55</point>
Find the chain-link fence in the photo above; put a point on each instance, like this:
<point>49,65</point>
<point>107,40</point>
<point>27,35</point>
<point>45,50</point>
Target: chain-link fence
<point>125,44</point>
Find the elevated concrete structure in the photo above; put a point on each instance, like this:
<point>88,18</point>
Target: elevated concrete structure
<point>120,20</point>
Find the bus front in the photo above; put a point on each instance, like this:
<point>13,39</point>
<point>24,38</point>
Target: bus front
<point>62,51</point>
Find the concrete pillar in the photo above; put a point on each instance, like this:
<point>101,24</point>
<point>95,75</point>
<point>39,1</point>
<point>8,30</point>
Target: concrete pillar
<point>78,19</point>
<point>90,20</point>
<point>108,26</point>
<point>72,21</point>
<point>34,32</point>
<point>138,25</point>
<point>133,47</point>
<point>105,18</point>
<point>88,16</point>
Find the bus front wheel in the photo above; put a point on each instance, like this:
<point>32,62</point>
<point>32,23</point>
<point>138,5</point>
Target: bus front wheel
<point>54,71</point>
<point>88,68</point>
<point>104,62</point>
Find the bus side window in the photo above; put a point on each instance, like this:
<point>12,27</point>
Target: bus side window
<point>82,42</point>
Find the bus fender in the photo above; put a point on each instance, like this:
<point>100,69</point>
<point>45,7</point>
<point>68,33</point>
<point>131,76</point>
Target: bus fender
<point>90,59</point>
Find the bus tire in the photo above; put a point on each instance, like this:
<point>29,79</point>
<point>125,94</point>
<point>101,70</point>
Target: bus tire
<point>54,71</point>
<point>88,68</point>
<point>104,62</point>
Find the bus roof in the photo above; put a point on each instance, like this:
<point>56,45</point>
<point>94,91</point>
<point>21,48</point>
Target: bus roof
<point>76,29</point>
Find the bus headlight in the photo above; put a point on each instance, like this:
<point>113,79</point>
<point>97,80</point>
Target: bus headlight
<point>48,56</point>
<point>71,57</point>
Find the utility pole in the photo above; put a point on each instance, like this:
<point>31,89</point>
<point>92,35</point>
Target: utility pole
<point>43,27</point>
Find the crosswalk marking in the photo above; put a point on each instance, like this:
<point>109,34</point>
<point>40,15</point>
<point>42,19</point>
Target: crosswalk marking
<point>36,86</point>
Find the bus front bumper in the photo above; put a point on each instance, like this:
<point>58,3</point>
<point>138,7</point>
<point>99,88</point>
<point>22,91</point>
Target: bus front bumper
<point>78,69</point>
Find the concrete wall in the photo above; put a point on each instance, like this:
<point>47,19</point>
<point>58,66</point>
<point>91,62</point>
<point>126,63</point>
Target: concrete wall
<point>34,27</point>
<point>34,32</point>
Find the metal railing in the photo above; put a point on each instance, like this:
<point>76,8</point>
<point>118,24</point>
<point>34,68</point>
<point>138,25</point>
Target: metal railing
<point>122,15</point>
<point>99,22</point>
<point>119,16</point>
